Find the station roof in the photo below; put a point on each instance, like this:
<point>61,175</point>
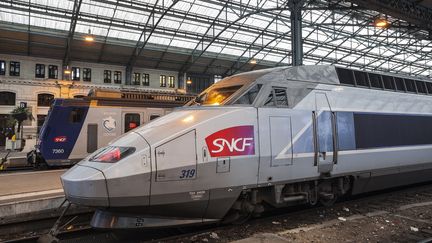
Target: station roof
<point>220,37</point>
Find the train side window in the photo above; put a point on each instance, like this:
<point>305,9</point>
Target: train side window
<point>421,87</point>
<point>375,80</point>
<point>281,97</point>
<point>429,87</point>
<point>388,82</point>
<point>76,115</point>
<point>152,117</point>
<point>278,98</point>
<point>132,120</point>
<point>410,85</point>
<point>249,97</point>
<point>361,78</point>
<point>345,76</point>
<point>399,84</point>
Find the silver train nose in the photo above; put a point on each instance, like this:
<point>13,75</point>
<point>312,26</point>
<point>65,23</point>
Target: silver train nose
<point>85,186</point>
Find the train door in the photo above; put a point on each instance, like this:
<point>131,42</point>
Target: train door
<point>92,138</point>
<point>131,120</point>
<point>275,137</point>
<point>324,130</point>
<point>175,173</point>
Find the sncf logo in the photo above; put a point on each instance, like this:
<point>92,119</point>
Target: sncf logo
<point>60,139</point>
<point>232,141</point>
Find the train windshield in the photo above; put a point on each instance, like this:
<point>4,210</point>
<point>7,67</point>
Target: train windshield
<point>216,96</point>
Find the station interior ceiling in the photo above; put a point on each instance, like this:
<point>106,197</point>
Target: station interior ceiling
<point>222,37</point>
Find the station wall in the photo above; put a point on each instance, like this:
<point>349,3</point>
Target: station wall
<point>28,88</point>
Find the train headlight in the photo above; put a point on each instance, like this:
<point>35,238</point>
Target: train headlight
<point>111,154</point>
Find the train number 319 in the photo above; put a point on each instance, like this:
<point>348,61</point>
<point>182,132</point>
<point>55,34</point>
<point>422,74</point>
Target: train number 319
<point>187,174</point>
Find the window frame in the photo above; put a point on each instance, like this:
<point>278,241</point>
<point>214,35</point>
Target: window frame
<point>146,79</point>
<point>392,81</point>
<point>126,124</point>
<point>412,81</point>
<point>366,74</point>
<point>76,74</point>
<point>380,81</point>
<point>171,82</point>
<point>41,103</point>
<point>402,82</point>
<point>7,103</point>
<point>87,74</point>
<point>107,76</point>
<point>136,79</point>
<point>13,67</point>
<point>39,70</point>
<point>117,77</point>
<point>274,100</point>
<point>2,70</point>
<point>52,69</point>
<point>423,84</point>
<point>162,81</point>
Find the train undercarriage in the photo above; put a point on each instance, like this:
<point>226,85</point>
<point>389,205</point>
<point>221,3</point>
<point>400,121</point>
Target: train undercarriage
<point>253,202</point>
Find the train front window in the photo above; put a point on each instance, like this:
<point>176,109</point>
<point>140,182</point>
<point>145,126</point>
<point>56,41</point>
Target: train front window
<point>249,97</point>
<point>216,96</point>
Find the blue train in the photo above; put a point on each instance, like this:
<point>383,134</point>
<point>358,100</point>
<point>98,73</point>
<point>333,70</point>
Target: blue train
<point>75,128</point>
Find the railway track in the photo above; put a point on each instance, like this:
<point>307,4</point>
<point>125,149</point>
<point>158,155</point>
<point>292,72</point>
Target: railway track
<point>388,201</point>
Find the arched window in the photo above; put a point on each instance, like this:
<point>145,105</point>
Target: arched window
<point>45,99</point>
<point>7,98</point>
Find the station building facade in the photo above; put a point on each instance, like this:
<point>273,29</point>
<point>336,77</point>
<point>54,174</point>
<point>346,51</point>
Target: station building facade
<point>34,82</point>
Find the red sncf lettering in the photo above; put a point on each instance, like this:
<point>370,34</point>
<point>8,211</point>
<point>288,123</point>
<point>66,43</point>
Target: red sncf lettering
<point>233,141</point>
<point>60,139</point>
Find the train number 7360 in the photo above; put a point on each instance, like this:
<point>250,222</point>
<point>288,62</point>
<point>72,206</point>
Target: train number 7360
<point>187,174</point>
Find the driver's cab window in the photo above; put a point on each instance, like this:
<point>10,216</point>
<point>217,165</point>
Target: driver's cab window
<point>277,98</point>
<point>249,97</point>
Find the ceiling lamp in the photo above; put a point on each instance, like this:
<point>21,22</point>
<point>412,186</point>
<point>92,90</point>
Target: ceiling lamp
<point>253,61</point>
<point>89,37</point>
<point>381,22</point>
<point>189,81</point>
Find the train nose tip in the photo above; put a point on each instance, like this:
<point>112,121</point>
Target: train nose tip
<point>85,186</point>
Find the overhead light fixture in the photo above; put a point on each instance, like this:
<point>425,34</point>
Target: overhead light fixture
<point>253,61</point>
<point>89,37</point>
<point>381,22</point>
<point>189,81</point>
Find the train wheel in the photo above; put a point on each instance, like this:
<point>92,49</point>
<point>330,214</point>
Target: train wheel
<point>237,217</point>
<point>329,200</point>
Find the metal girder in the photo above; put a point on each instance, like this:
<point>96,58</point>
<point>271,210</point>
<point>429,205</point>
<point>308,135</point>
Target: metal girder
<point>296,32</point>
<point>74,20</point>
<point>140,47</point>
<point>109,28</point>
<point>407,10</point>
<point>200,43</point>
<point>330,45</point>
<point>226,27</point>
<point>236,63</point>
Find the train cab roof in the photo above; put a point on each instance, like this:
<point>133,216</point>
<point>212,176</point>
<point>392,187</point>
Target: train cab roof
<point>300,80</point>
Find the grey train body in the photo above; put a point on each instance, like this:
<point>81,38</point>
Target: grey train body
<point>280,137</point>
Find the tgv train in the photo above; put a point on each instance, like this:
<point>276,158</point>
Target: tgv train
<point>76,127</point>
<point>267,138</point>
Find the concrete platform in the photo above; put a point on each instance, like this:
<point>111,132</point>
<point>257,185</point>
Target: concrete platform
<point>29,195</point>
